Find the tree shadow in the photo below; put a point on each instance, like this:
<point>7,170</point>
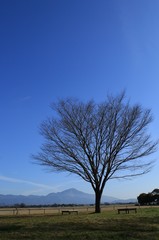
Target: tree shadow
<point>10,227</point>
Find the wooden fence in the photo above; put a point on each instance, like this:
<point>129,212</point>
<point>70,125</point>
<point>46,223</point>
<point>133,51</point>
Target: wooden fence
<point>52,210</point>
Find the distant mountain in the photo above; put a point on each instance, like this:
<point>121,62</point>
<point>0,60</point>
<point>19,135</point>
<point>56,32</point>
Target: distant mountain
<point>69,196</point>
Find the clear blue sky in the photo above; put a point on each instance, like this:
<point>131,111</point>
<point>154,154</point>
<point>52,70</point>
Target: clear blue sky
<point>78,48</point>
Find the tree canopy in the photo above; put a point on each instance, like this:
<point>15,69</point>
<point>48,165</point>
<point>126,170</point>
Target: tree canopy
<point>151,198</point>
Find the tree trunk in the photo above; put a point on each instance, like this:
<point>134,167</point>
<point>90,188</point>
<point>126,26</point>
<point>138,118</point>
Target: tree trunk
<point>98,195</point>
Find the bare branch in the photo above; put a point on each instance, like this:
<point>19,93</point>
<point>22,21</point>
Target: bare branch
<point>98,142</point>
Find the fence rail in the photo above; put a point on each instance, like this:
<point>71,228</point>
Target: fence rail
<point>51,210</point>
<point>38,211</point>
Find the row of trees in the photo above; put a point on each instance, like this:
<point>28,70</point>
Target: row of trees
<point>149,198</point>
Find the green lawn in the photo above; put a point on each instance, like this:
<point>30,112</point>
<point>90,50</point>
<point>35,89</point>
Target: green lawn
<point>104,226</point>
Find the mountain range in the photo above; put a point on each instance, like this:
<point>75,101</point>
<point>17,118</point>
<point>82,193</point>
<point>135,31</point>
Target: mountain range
<point>69,196</point>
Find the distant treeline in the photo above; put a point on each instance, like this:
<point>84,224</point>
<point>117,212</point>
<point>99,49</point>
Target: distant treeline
<point>151,198</point>
<point>23,205</point>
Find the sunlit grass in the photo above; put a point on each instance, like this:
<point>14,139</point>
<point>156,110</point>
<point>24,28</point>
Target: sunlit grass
<point>107,225</point>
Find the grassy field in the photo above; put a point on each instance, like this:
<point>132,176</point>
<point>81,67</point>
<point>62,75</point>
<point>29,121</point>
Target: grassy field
<point>107,225</point>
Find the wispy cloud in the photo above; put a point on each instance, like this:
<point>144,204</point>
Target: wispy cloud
<point>15,180</point>
<point>39,188</point>
<point>25,98</point>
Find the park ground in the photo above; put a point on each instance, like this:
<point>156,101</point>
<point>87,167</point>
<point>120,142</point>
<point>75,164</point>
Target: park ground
<point>86,225</point>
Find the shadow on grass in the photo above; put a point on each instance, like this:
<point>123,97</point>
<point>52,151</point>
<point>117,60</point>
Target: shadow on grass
<point>82,228</point>
<point>104,228</point>
<point>10,228</point>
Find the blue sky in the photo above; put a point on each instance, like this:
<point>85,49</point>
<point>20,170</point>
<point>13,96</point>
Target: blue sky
<point>52,49</point>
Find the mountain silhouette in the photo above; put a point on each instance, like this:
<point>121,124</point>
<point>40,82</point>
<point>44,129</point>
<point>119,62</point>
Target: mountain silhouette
<point>69,196</point>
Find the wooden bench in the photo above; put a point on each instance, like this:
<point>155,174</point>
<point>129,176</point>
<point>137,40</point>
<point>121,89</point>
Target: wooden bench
<point>127,210</point>
<point>69,211</point>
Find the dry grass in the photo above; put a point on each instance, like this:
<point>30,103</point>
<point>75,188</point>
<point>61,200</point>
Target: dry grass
<point>53,210</point>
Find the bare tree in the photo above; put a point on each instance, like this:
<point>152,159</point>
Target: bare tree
<point>98,142</point>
